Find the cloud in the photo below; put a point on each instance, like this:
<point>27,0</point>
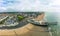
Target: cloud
<point>30,5</point>
<point>2,9</point>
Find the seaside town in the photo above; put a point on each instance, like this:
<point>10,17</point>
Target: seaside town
<point>29,18</point>
<point>24,24</point>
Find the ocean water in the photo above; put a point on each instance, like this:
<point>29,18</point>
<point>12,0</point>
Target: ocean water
<point>54,17</point>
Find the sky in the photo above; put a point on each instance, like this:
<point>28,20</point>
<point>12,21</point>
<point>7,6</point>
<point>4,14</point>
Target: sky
<point>30,5</point>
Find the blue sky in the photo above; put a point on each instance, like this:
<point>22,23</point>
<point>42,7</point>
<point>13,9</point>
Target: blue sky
<point>30,5</point>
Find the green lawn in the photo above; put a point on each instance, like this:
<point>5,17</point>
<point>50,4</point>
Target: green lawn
<point>20,17</point>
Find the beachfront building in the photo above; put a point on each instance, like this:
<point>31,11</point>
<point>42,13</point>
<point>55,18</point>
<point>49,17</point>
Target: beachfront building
<point>39,20</point>
<point>3,17</point>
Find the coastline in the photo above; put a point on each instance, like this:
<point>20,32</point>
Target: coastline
<point>27,30</point>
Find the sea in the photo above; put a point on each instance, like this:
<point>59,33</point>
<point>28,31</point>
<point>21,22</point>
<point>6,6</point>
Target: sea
<point>54,17</point>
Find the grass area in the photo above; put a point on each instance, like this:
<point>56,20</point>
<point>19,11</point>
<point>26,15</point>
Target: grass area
<point>20,17</point>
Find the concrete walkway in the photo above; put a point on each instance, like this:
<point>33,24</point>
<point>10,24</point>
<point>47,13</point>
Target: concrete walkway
<point>27,30</point>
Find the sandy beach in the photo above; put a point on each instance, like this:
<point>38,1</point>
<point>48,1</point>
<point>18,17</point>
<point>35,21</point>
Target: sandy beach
<point>27,30</point>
